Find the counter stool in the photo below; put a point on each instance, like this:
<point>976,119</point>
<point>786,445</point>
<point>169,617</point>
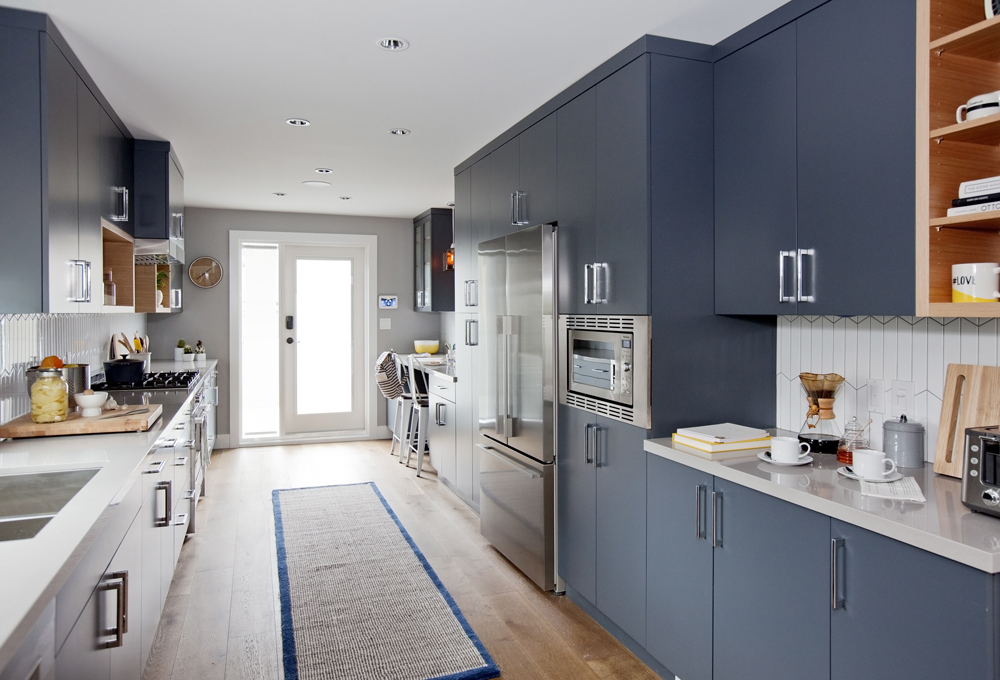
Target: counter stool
<point>403,409</point>
<point>419,415</point>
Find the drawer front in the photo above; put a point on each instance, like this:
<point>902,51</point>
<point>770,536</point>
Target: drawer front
<point>442,386</point>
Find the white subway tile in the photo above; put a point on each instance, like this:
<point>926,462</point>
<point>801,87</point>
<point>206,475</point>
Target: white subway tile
<point>935,357</point>
<point>919,355</point>
<point>970,341</point>
<point>851,351</point>
<point>877,356</point>
<point>816,336</point>
<point>904,350</point>
<point>784,346</point>
<point>952,342</point>
<point>825,325</point>
<point>890,350</point>
<point>864,350</point>
<point>988,342</point>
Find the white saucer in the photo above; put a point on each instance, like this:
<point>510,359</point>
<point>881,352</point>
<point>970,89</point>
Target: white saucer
<point>766,457</point>
<point>847,472</point>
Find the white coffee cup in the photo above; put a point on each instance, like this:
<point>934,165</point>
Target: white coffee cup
<point>869,464</point>
<point>975,282</point>
<point>980,106</point>
<point>788,450</point>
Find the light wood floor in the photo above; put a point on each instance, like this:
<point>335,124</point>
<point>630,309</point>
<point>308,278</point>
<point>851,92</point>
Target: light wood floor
<point>221,619</point>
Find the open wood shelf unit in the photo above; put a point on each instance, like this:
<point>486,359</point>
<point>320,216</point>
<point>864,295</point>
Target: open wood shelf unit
<point>148,276</point>
<point>958,57</point>
<point>119,254</point>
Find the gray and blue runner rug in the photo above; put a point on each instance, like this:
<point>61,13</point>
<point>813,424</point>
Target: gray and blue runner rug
<point>358,598</point>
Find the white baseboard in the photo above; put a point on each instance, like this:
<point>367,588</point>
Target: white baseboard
<point>382,432</point>
<point>222,441</point>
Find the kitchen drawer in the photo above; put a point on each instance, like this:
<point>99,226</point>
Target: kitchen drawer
<point>442,386</point>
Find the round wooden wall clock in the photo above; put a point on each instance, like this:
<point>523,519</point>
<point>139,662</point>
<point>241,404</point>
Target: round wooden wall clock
<point>205,272</point>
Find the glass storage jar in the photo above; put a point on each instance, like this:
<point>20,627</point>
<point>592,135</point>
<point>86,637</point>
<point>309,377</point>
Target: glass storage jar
<point>49,396</point>
<point>854,438</point>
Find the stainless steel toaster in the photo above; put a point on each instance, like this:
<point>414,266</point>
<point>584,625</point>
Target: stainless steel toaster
<point>981,470</point>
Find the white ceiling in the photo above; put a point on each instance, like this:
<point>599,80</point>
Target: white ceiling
<point>218,78</point>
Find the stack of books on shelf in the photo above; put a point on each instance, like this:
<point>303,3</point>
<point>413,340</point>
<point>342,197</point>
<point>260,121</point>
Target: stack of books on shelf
<point>977,196</point>
<point>723,440</point>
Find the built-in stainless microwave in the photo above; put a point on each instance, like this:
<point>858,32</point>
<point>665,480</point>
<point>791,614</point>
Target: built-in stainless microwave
<point>604,366</point>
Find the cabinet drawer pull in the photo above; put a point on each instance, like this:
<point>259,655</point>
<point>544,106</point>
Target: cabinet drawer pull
<point>166,487</point>
<point>836,600</point>
<point>782,256</point>
<point>155,468</point>
<point>716,519</point>
<point>120,586</point>
<point>801,253</point>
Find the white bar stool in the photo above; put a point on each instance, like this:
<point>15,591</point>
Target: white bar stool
<point>419,415</point>
<point>403,409</point>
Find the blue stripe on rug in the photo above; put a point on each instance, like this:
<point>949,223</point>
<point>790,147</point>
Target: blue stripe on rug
<point>486,672</point>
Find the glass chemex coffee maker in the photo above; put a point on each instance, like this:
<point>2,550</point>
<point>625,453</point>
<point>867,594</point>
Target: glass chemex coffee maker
<point>820,428</point>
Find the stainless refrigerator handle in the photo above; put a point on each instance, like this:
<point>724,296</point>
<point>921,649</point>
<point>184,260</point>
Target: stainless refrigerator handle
<point>510,461</point>
<point>588,279</point>
<point>782,256</point>
<point>716,519</point>
<point>836,601</point>
<point>800,253</point>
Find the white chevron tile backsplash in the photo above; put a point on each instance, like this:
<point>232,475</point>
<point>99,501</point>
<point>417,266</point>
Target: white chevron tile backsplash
<point>911,349</point>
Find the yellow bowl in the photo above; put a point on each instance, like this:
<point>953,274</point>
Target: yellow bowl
<point>428,346</point>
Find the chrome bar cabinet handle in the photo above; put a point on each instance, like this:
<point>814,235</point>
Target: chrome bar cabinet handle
<point>513,209</point>
<point>782,256</point>
<point>166,487</point>
<point>801,253</point>
<point>588,280</point>
<point>518,214</point>
<point>836,601</point>
<point>588,455</point>
<point>84,295</point>
<point>716,519</point>
<point>602,277</point>
<point>699,529</point>
<point>120,586</point>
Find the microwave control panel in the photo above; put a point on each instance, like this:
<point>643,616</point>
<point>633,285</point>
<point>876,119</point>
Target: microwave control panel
<point>625,352</point>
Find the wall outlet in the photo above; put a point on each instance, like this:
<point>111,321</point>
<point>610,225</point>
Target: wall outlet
<point>876,396</point>
<point>384,324</point>
<point>903,399</point>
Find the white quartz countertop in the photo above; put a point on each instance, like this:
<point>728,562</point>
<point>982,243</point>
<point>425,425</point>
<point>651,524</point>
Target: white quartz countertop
<point>942,525</point>
<point>33,570</point>
<point>443,369</point>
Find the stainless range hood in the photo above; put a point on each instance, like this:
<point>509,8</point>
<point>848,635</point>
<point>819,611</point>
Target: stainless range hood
<point>159,250</point>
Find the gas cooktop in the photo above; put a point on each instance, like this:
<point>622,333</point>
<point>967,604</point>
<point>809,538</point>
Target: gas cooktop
<point>166,380</point>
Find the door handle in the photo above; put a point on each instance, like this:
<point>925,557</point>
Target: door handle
<point>289,323</point>
<point>84,267</point>
<point>472,293</point>
<point>155,467</point>
<point>588,456</point>
<point>601,283</point>
<point>166,487</point>
<point>519,221</point>
<point>471,332</point>
<point>523,469</point>
<point>598,450</point>
<point>588,284</point>
<point>513,210</point>
<point>801,253</point>
<point>782,256</point>
<point>716,519</point>
<point>439,414</point>
<point>699,530</point>
<point>836,601</point>
<point>122,216</point>
<point>175,298</point>
<point>120,586</point>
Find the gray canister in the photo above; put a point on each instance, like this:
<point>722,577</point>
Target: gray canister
<point>903,442</point>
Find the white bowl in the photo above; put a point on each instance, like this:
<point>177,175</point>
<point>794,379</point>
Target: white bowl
<point>428,346</point>
<point>91,403</point>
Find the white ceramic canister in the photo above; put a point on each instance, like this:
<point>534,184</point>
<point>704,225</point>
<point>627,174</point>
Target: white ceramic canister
<point>903,442</point>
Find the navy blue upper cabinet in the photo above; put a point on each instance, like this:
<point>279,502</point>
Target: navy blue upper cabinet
<point>577,209</point>
<point>810,161</point>
<point>679,568</point>
<point>772,587</point>
<point>159,194</point>
<point>537,177</point>
<point>856,170</point>
<point>504,180</point>
<point>932,613</point>
<point>622,187</point>
<point>577,512</point>
<point>755,176</point>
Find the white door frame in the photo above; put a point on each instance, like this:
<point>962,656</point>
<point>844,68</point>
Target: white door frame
<point>369,281</point>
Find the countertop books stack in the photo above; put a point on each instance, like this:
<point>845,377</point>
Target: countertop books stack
<point>723,440</point>
<point>977,196</point>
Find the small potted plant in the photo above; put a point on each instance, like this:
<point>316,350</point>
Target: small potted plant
<point>179,350</point>
<point>188,357</point>
<point>199,354</point>
<point>162,285</point>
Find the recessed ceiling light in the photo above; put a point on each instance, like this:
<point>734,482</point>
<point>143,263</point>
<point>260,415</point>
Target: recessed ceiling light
<point>278,193</point>
<point>297,122</point>
<point>393,44</point>
<point>345,198</point>
<point>313,183</point>
<point>324,171</point>
<point>399,132</point>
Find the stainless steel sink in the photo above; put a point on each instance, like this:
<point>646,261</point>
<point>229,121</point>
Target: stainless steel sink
<point>29,501</point>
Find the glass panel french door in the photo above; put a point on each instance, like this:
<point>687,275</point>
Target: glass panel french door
<point>322,339</point>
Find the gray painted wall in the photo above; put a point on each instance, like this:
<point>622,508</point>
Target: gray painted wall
<point>206,312</point>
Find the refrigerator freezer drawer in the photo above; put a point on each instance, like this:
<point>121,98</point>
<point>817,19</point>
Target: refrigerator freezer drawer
<point>515,512</point>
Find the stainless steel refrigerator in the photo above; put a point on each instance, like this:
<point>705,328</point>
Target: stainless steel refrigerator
<point>516,445</point>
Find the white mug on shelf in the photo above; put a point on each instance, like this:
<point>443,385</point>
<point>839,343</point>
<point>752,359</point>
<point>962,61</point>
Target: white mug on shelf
<point>980,106</point>
<point>788,449</point>
<point>975,282</point>
<point>869,464</point>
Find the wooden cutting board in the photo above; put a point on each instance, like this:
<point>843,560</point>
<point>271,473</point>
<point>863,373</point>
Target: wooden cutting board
<point>971,399</point>
<point>76,424</point>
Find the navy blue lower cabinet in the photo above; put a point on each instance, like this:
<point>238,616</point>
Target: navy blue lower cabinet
<point>577,502</point>
<point>907,613</point>
<point>621,525</point>
<point>772,587</point>
<point>679,568</point>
